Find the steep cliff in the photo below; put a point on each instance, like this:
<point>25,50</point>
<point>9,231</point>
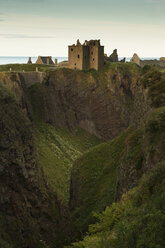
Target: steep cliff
<point>46,126</point>
<point>28,208</point>
<point>104,103</point>
<point>110,170</point>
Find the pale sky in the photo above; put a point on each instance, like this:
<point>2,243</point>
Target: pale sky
<point>47,27</point>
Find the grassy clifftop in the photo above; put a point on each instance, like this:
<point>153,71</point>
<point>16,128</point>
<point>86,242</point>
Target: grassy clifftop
<point>24,67</point>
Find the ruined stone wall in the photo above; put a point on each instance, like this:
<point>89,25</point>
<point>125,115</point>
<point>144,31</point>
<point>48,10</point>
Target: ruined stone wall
<point>94,57</point>
<point>86,54</point>
<point>152,62</point>
<point>31,78</point>
<point>75,57</point>
<point>101,57</point>
<point>89,55</point>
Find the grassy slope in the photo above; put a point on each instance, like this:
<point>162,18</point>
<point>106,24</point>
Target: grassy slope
<point>128,149</point>
<point>57,149</point>
<point>138,220</point>
<point>96,173</point>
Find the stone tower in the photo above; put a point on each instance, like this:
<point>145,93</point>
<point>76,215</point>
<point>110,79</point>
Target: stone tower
<point>87,55</point>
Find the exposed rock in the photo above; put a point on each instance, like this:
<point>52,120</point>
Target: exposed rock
<point>162,58</point>
<point>100,105</point>
<point>103,103</point>
<point>135,59</point>
<point>28,207</point>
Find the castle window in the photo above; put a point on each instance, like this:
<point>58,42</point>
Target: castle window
<point>92,53</point>
<point>75,64</point>
<point>93,59</point>
<point>78,56</point>
<point>71,49</point>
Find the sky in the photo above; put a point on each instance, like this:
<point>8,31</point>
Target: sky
<point>47,27</point>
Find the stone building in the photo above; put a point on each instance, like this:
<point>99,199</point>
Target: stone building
<point>87,55</point>
<point>45,60</point>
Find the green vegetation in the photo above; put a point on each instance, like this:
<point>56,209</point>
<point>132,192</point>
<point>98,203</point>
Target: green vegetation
<point>5,244</point>
<point>108,168</point>
<point>137,220</point>
<point>95,175</point>
<point>117,187</point>
<point>25,67</point>
<point>57,150</point>
<point>154,81</point>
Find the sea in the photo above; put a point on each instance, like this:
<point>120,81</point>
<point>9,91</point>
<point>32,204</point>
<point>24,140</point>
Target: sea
<point>4,60</point>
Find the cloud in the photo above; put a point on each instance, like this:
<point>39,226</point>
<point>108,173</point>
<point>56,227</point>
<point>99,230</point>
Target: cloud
<point>24,36</point>
<point>2,20</point>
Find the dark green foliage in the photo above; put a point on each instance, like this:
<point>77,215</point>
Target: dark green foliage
<point>4,244</point>
<point>96,174</point>
<point>154,81</point>
<point>99,171</point>
<point>137,221</point>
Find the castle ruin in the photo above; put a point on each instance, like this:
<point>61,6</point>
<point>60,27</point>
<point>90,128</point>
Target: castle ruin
<point>86,56</point>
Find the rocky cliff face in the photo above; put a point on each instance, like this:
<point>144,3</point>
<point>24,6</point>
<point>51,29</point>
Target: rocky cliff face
<point>113,168</point>
<point>28,208</point>
<point>104,103</point>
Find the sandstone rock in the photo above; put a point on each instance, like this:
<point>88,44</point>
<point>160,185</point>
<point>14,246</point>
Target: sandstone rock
<point>162,58</point>
<point>135,59</point>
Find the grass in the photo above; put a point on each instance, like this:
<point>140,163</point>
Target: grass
<point>154,81</point>
<point>111,168</point>
<point>95,175</point>
<point>25,67</point>
<point>138,220</point>
<point>57,150</point>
